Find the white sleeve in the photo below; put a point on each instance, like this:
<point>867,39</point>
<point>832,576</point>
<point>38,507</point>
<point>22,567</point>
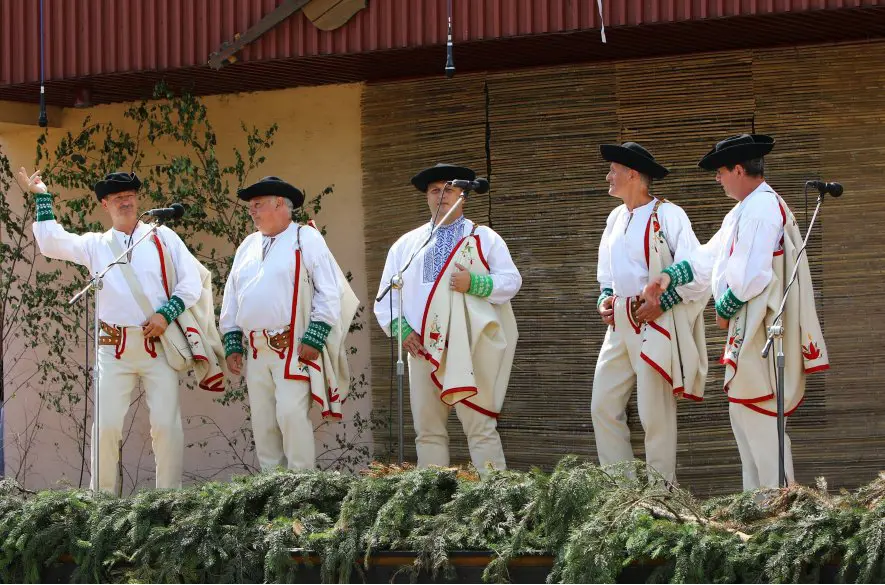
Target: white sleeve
<point>189,286</point>
<point>749,267</point>
<point>382,307</point>
<point>683,242</point>
<point>703,258</point>
<point>227,322</point>
<point>322,269</point>
<point>506,279</point>
<point>56,242</point>
<point>603,260</point>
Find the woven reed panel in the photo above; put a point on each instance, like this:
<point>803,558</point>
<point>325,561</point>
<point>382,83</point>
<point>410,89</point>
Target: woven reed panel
<point>822,104</point>
<point>408,126</point>
<point>548,191</point>
<point>851,447</point>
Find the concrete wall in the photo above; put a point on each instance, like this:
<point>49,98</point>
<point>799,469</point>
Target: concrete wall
<point>318,145</point>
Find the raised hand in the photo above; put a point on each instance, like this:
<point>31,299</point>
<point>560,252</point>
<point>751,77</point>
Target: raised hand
<point>30,184</point>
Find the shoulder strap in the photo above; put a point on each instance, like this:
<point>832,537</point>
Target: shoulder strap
<point>131,280</point>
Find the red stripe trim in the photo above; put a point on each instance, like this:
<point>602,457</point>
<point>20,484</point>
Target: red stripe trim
<point>150,347</point>
<point>659,329</point>
<point>658,368</point>
<point>286,374</point>
<point>778,253</point>
<point>647,237</point>
<point>311,364</point>
<point>472,389</point>
<point>192,330</point>
<point>162,264</point>
<point>213,383</point>
<point>820,368</point>
<point>691,397</point>
<point>482,257</point>
<point>746,401</point>
<point>316,398</point>
<point>480,409</point>
<point>636,328</point>
<point>761,410</point>
<point>252,343</point>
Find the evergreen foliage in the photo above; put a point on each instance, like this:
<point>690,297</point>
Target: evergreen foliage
<point>596,523</point>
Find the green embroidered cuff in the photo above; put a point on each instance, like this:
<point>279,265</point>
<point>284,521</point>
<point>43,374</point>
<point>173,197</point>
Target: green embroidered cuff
<point>480,285</point>
<point>679,273</point>
<point>606,292</point>
<point>172,309</point>
<point>316,333</point>
<point>43,202</point>
<point>728,304</point>
<point>670,299</point>
<point>233,342</point>
<point>395,326</point>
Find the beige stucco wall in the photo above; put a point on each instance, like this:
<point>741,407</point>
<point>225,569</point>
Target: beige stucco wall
<point>318,144</point>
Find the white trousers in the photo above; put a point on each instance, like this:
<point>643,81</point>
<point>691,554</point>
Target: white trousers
<point>430,414</point>
<point>280,410</point>
<point>756,436</point>
<point>618,368</point>
<point>117,379</point>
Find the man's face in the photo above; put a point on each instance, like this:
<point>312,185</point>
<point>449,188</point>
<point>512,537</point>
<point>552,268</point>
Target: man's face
<point>729,179</point>
<point>618,176</point>
<point>447,193</point>
<point>122,206</point>
<point>265,211</point>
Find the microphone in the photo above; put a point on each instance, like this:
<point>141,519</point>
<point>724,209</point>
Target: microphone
<point>479,186</point>
<point>174,211</point>
<point>450,60</point>
<point>832,189</point>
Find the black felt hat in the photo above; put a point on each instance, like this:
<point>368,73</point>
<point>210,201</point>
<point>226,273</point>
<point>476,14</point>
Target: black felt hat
<point>116,183</point>
<point>737,149</point>
<point>441,172</point>
<point>634,156</point>
<point>273,186</point>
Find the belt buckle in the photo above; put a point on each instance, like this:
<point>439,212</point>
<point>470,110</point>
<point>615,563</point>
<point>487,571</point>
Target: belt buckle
<point>278,339</point>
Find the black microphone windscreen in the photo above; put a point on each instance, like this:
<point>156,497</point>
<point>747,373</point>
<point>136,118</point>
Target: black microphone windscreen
<point>179,210</point>
<point>482,186</point>
<point>836,189</point>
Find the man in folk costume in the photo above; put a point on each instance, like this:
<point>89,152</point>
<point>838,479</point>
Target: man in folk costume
<point>288,298</point>
<point>662,352</point>
<point>458,326</point>
<point>749,261</point>
<point>160,293</point>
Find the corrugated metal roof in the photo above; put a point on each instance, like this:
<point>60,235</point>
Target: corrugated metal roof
<point>97,37</point>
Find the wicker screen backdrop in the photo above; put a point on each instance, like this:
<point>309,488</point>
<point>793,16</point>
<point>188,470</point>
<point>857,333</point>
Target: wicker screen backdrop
<point>535,134</point>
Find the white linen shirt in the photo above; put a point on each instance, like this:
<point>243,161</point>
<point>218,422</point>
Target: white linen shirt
<point>258,293</point>
<point>116,303</point>
<point>622,265</point>
<point>506,280</point>
<point>739,255</point>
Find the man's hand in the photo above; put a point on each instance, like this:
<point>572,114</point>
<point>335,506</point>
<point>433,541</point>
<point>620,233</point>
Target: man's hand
<point>460,279</point>
<point>412,344</point>
<point>648,312</point>
<point>652,292</point>
<point>155,326</point>
<point>721,323</point>
<point>607,311</point>
<point>33,184</point>
<point>308,352</point>
<point>235,363</point>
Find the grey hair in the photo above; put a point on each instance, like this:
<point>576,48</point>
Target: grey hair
<point>289,204</point>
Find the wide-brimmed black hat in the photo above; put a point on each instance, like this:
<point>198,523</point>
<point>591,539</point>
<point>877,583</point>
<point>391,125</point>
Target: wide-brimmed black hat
<point>273,186</point>
<point>737,149</point>
<point>442,172</point>
<point>634,156</point>
<point>116,183</point>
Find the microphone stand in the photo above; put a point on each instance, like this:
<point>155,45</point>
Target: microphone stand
<point>396,282</point>
<point>776,331</point>
<point>96,284</point>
